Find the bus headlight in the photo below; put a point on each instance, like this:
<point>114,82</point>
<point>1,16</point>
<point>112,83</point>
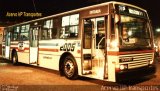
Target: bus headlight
<point>150,61</point>
<point>121,67</point>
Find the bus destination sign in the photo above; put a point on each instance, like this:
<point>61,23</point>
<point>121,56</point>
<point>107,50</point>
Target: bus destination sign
<point>130,11</point>
<point>136,12</point>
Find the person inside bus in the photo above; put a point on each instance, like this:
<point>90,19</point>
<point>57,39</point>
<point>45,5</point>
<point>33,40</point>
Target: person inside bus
<point>124,38</point>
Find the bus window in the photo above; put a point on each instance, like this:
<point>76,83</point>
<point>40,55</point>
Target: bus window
<point>87,33</point>
<point>100,41</point>
<point>49,30</point>
<point>134,32</point>
<point>70,26</point>
<point>96,24</point>
<point>46,32</point>
<point>24,32</point>
<point>16,33</point>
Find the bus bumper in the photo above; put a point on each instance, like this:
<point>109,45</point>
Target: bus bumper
<point>136,73</point>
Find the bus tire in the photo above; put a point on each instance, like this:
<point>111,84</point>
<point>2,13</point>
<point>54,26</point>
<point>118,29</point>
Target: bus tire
<point>70,68</point>
<point>14,58</point>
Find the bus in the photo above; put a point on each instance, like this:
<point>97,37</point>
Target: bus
<point>110,41</point>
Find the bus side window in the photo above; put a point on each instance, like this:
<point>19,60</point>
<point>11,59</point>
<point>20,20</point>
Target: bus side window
<point>70,26</point>
<point>16,33</point>
<point>87,34</point>
<point>46,32</point>
<point>100,41</point>
<point>24,35</point>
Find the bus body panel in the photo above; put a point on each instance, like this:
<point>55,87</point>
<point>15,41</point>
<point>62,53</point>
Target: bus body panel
<point>50,51</point>
<point>96,49</point>
<point>6,48</point>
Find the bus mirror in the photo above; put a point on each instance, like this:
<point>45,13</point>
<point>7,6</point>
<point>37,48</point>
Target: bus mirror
<point>117,18</point>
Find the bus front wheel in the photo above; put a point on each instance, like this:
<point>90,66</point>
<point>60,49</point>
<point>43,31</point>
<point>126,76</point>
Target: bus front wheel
<point>70,68</point>
<point>14,58</point>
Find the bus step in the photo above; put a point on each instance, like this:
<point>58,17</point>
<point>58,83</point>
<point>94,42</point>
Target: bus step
<point>33,63</point>
<point>85,72</point>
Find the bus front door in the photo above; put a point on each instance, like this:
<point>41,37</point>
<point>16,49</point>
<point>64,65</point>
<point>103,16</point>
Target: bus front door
<point>7,44</point>
<point>34,45</point>
<point>94,62</point>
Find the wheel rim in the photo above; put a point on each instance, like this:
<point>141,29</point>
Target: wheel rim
<point>69,68</point>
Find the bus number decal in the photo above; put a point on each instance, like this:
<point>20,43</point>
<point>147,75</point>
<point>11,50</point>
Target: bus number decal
<point>68,47</point>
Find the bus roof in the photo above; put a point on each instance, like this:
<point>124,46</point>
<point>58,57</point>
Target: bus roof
<point>80,9</point>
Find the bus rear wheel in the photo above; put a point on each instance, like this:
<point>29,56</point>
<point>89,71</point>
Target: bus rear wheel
<point>70,68</point>
<point>14,58</point>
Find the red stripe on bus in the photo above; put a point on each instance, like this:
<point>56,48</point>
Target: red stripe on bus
<point>129,52</point>
<point>23,50</point>
<point>26,48</point>
<point>20,50</point>
<point>14,43</point>
<point>40,49</point>
<point>46,49</point>
<point>14,47</point>
<point>113,53</point>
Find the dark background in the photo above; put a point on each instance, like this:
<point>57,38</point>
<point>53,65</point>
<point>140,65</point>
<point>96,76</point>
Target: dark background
<point>49,7</point>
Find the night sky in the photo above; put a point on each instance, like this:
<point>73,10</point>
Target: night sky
<point>49,7</point>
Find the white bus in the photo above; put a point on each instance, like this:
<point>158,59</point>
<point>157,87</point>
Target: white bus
<point>110,41</point>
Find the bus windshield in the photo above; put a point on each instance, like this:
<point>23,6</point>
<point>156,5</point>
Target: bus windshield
<point>134,33</point>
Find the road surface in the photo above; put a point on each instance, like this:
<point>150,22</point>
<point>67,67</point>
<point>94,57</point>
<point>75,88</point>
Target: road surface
<point>25,77</point>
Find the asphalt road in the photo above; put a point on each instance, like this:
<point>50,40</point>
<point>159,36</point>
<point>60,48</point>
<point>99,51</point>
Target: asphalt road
<point>25,77</point>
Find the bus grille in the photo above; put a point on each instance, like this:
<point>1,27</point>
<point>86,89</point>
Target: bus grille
<point>138,60</point>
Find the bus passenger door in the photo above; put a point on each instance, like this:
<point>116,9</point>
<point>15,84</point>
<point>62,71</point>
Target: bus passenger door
<point>34,45</point>
<point>7,44</point>
<point>94,61</point>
